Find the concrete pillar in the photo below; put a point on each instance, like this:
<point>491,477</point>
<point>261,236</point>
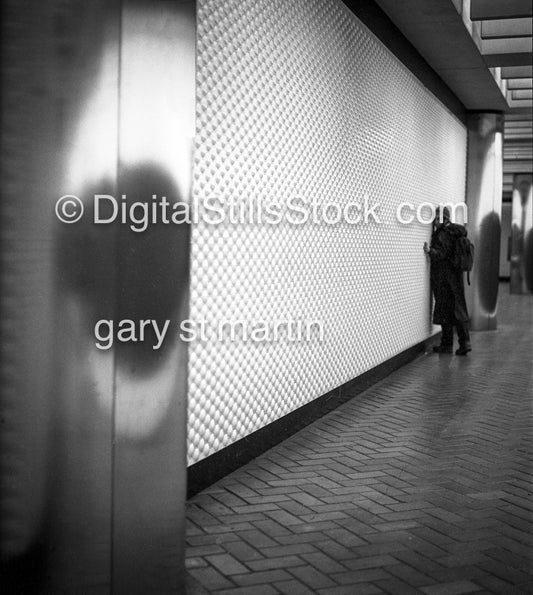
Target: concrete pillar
<point>484,198</point>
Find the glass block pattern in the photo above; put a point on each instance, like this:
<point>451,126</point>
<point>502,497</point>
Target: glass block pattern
<point>300,99</point>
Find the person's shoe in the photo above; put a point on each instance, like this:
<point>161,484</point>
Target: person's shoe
<point>463,349</point>
<point>443,349</point>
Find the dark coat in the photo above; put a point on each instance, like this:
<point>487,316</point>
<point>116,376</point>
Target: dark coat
<point>447,282</point>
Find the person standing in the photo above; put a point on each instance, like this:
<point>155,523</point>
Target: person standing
<point>447,284</point>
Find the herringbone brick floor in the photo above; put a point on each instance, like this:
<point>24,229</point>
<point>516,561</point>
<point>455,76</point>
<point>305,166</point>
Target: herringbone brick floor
<point>421,484</point>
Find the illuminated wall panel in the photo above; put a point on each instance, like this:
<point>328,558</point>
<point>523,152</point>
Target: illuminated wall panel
<point>299,99</point>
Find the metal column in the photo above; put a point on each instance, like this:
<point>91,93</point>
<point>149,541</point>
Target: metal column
<point>98,99</point>
<point>156,131</point>
<point>522,235</point>
<point>483,199</point>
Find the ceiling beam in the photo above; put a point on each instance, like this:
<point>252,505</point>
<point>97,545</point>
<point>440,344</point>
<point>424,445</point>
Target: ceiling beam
<point>513,84</point>
<point>484,10</point>
<point>518,105</point>
<point>508,45</point>
<point>505,28</point>
<point>525,129</point>
<point>518,166</point>
<point>438,32</point>
<point>517,72</point>
<point>514,51</point>
<point>522,94</point>
<point>476,68</point>
<point>516,126</point>
<point>510,117</point>
<point>505,59</point>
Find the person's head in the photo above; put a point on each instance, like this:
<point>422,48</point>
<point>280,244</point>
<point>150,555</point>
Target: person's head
<point>442,215</point>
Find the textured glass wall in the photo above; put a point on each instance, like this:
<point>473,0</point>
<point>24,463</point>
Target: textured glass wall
<point>299,99</point>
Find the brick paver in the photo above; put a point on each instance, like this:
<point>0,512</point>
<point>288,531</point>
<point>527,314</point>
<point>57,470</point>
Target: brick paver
<point>421,484</point>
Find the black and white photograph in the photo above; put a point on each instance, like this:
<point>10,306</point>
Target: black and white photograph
<point>266,297</point>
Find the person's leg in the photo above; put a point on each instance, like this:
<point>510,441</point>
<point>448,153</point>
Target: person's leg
<point>464,338</point>
<point>446,342</point>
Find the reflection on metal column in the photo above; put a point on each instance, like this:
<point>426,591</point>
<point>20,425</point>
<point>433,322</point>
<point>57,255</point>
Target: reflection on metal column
<point>60,111</point>
<point>483,198</point>
<point>522,235</point>
<point>157,94</point>
<point>93,441</point>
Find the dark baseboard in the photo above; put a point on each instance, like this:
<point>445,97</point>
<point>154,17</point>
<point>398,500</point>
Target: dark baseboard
<point>218,465</point>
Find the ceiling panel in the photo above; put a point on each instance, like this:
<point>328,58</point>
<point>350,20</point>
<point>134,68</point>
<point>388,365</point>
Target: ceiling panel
<point>519,84</point>
<point>522,106</point>
<point>511,51</point>
<point>522,94</point>
<point>518,166</point>
<point>511,72</point>
<point>507,45</point>
<point>481,10</point>
<point>506,28</point>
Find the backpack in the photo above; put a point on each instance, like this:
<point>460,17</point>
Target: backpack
<point>463,257</point>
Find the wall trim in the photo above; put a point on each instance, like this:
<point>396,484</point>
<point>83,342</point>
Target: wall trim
<point>204,473</point>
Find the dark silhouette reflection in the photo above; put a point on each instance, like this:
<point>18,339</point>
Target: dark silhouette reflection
<point>487,261</point>
<point>119,274</point>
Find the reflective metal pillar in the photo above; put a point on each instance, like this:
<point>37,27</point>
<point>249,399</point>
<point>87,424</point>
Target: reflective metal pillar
<point>505,243</point>
<point>522,235</point>
<point>483,198</point>
<point>60,112</point>
<point>98,98</point>
<point>156,131</point>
